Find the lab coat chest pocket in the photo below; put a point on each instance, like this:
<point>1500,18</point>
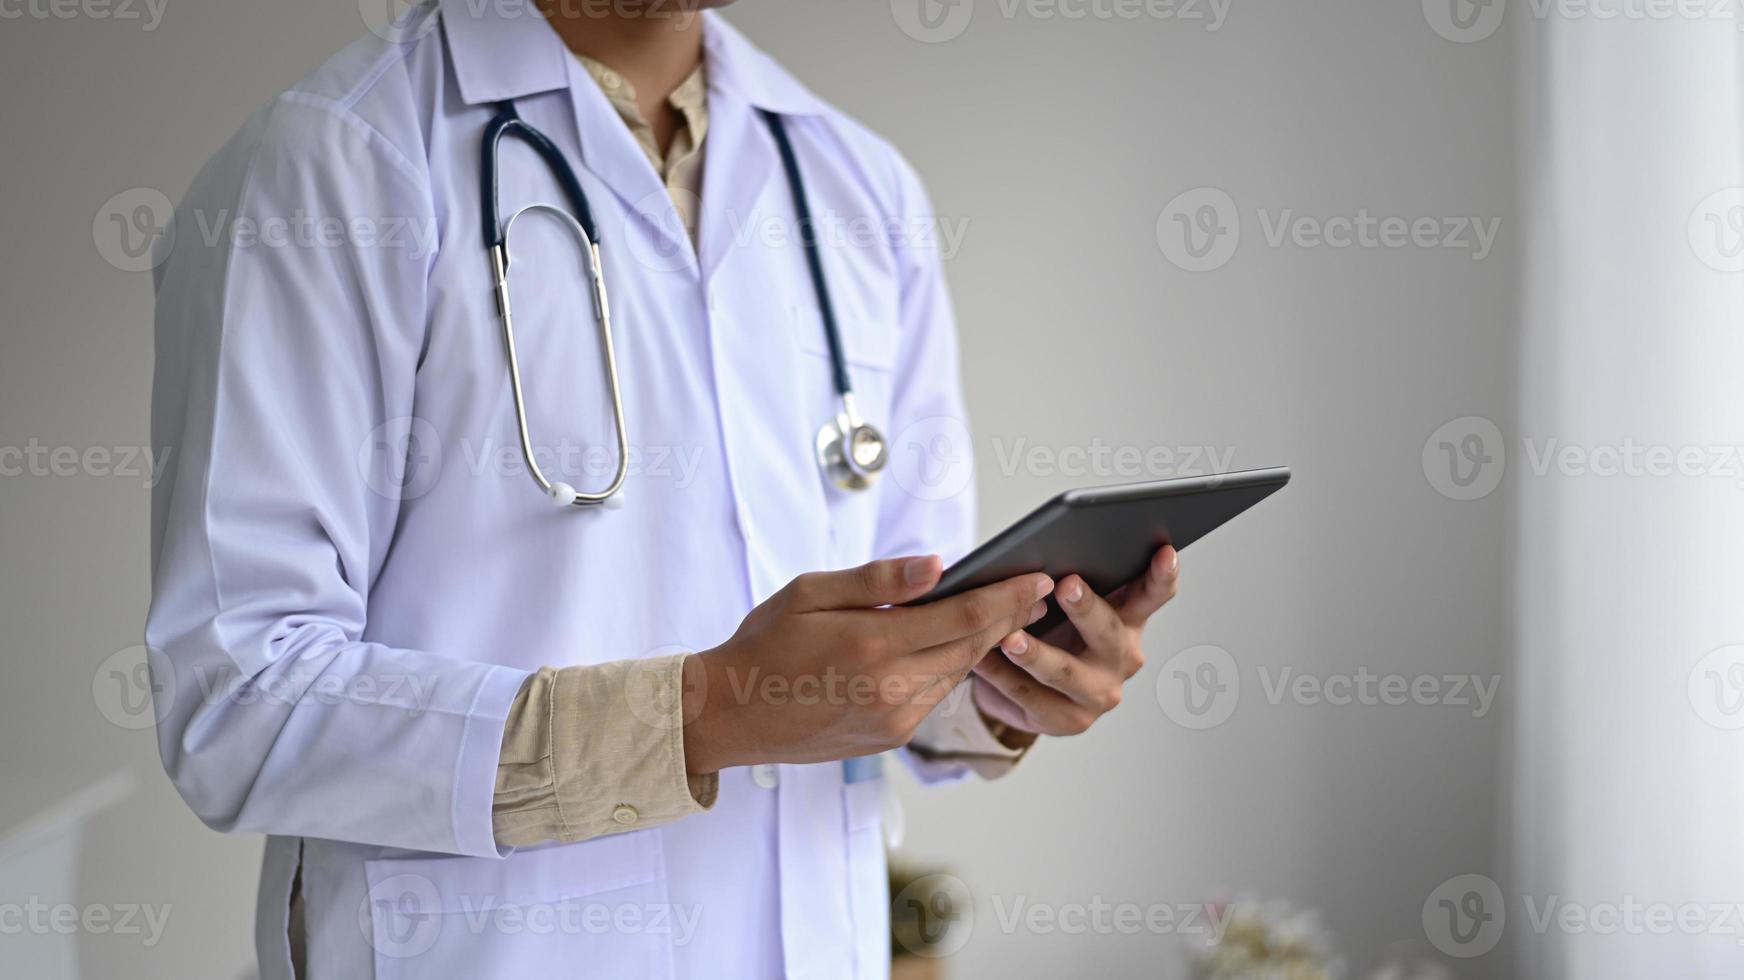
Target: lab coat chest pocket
<point>868,882</point>
<point>598,908</point>
<point>871,344</point>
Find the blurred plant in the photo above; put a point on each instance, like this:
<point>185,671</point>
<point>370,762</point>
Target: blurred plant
<point>930,914</point>
<point>1266,940</point>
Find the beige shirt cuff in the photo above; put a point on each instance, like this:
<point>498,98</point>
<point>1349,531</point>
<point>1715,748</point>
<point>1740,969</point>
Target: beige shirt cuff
<point>596,750</point>
<point>957,732</point>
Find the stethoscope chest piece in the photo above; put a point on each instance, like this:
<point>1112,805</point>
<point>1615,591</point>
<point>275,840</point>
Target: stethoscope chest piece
<point>850,451</point>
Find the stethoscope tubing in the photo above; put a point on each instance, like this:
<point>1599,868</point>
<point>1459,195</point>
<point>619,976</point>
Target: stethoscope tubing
<point>841,442</point>
<point>808,237</point>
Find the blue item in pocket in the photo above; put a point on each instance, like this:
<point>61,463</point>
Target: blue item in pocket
<point>862,768</point>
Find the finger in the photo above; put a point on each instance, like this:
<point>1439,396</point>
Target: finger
<point>1143,598</point>
<point>936,670</point>
<point>1082,681</point>
<point>868,586</point>
<point>989,613</point>
<point>1098,625</point>
<point>1049,711</point>
<point>1001,708</point>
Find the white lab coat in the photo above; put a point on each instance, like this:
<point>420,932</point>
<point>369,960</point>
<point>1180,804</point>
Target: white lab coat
<point>354,574</point>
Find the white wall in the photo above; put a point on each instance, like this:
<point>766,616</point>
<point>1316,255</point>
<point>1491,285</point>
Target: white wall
<point>1059,142</point>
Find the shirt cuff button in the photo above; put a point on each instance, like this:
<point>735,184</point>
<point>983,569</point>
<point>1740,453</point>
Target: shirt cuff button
<point>625,814</point>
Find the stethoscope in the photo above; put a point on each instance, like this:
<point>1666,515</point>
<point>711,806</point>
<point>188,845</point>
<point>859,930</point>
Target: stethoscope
<point>850,451</point>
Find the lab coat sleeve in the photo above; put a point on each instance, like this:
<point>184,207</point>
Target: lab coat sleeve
<point>928,503</point>
<point>290,317</point>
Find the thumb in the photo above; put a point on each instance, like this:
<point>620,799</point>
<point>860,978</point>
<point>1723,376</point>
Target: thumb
<point>878,583</point>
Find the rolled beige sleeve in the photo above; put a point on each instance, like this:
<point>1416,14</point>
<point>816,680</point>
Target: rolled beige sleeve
<point>957,732</point>
<point>596,750</point>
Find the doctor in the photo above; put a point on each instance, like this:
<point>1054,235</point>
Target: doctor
<point>493,737</point>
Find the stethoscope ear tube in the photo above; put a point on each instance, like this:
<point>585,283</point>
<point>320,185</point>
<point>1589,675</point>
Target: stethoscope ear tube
<point>508,122</point>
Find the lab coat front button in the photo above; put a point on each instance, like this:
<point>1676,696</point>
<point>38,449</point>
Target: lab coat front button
<point>625,814</point>
<point>766,776</point>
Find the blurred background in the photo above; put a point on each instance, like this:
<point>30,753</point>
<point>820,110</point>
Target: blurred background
<point>1465,700</point>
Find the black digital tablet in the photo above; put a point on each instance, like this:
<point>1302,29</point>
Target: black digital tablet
<point>1107,535</point>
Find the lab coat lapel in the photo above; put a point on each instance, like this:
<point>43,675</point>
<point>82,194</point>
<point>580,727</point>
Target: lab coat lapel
<point>738,161</point>
<point>610,152</point>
